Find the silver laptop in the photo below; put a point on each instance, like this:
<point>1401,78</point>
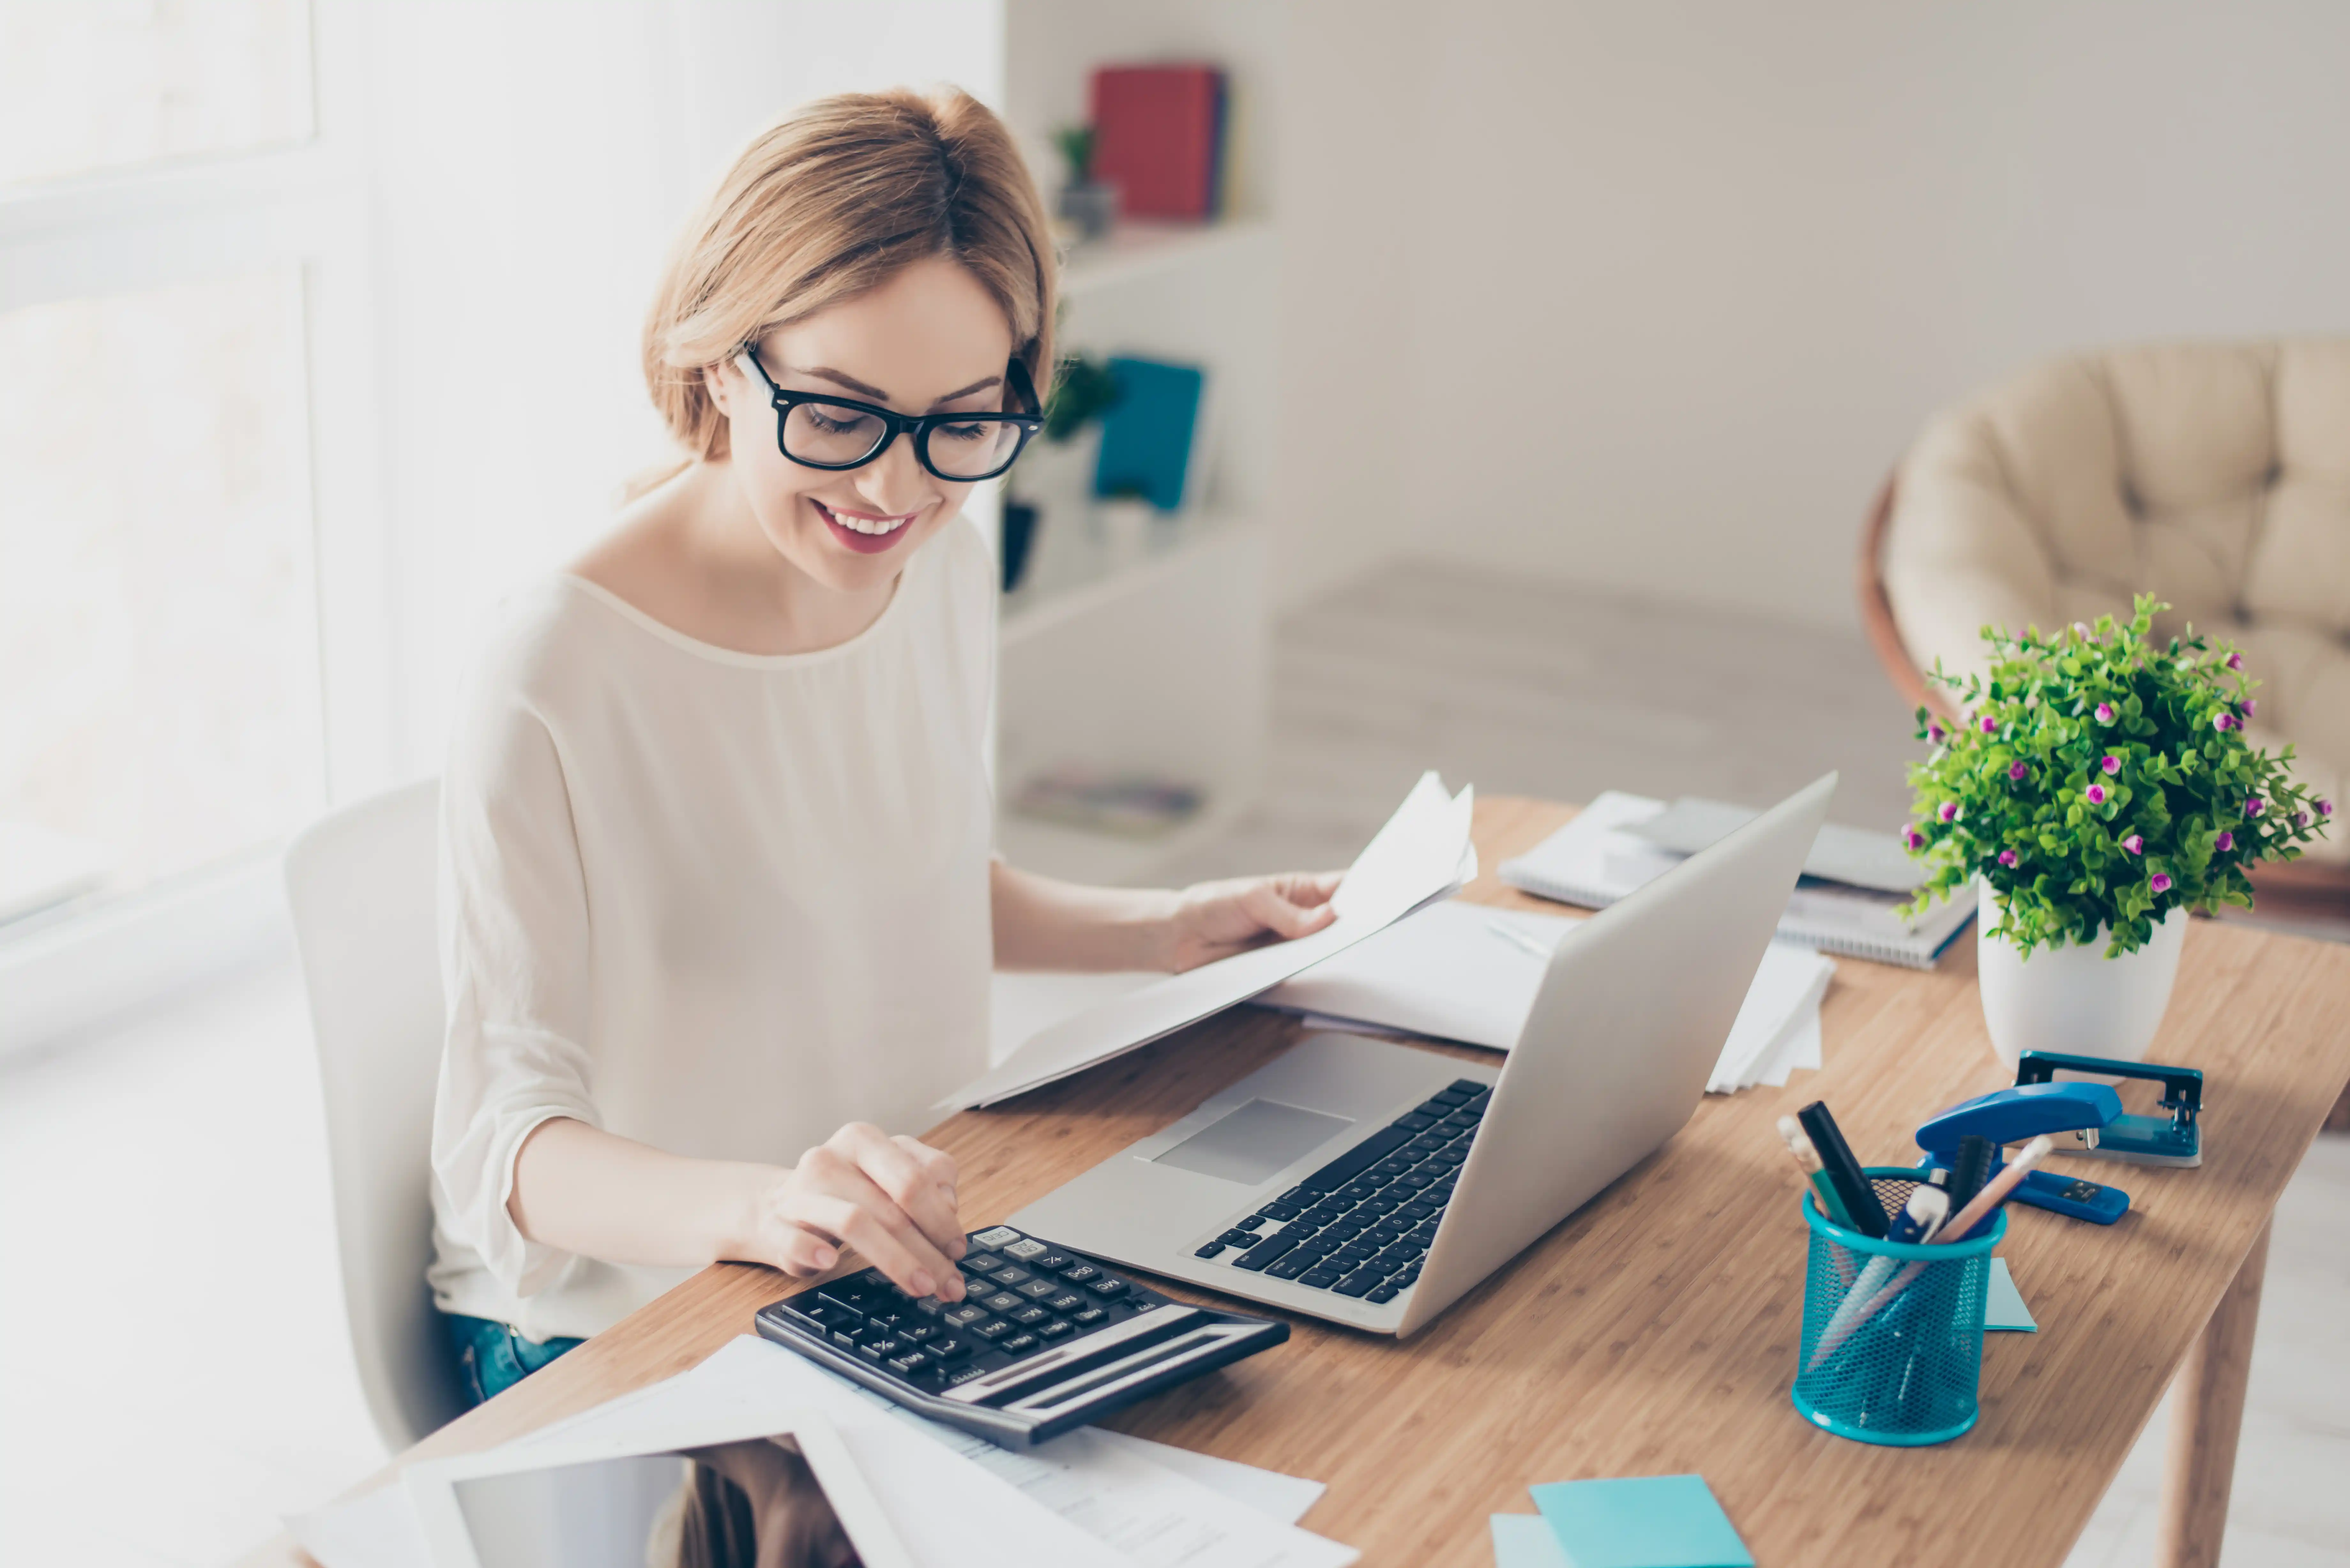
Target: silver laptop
<point>1374,1184</point>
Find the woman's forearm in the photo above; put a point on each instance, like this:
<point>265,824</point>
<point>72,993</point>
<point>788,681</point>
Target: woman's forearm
<point>1044,924</point>
<point>582,1190</point>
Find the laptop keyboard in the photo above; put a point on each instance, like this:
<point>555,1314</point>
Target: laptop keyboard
<point>1361,1225</point>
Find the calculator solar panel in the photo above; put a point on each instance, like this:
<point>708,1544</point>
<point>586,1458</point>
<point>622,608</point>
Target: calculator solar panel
<point>1046,1340</point>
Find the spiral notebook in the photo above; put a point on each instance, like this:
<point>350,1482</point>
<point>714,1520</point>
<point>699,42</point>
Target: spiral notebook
<point>1595,860</point>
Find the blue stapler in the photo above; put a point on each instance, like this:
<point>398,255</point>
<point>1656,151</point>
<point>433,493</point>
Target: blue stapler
<point>2083,1119</point>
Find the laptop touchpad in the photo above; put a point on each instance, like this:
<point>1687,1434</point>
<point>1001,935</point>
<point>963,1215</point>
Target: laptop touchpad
<point>1252,1141</point>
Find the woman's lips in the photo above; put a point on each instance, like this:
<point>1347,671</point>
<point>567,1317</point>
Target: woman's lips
<point>862,543</point>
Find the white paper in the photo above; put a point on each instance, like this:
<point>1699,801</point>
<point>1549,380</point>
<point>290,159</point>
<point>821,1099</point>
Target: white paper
<point>1421,854</point>
<point>1271,1493</point>
<point>1786,991</point>
<point>378,1530</point>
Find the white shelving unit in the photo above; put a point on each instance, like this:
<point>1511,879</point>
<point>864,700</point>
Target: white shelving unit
<point>1149,657</point>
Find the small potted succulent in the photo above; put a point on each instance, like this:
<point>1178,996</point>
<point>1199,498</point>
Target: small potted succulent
<point>2097,789</point>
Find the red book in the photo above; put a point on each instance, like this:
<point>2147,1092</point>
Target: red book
<point>1158,137</point>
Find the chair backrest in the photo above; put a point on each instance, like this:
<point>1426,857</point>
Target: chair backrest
<point>361,883</point>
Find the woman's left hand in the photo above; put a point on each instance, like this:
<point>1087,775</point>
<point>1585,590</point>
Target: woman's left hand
<point>1214,920</point>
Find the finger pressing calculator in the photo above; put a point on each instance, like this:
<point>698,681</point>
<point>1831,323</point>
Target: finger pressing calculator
<point>1047,1340</point>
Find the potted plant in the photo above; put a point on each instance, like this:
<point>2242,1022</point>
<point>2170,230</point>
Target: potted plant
<point>2097,790</point>
<point>1055,476</point>
<point>1086,204</point>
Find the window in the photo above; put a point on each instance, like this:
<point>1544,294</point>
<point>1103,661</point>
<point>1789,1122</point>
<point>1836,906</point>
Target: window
<point>183,485</point>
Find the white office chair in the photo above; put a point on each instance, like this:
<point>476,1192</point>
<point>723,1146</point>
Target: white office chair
<point>361,883</point>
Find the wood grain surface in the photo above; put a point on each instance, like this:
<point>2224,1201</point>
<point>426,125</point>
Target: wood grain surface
<point>1654,1331</point>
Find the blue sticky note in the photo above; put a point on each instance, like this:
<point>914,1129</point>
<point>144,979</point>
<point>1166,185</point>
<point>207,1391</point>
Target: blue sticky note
<point>1524,1541</point>
<point>1642,1521</point>
<point>2005,1309</point>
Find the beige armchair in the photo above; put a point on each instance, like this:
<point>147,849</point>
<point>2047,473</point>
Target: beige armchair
<point>2215,475</point>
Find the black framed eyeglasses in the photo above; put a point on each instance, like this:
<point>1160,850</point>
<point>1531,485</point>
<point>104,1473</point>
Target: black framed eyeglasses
<point>818,430</point>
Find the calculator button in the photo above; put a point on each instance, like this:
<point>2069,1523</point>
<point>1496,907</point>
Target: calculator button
<point>964,1316</point>
<point>881,1349</point>
<point>1037,1290</point>
<point>995,1236</point>
<point>871,1280</point>
<point>1053,1330</point>
<point>1008,1275</point>
<point>1108,1287</point>
<point>1078,1273</point>
<point>911,1362</point>
<point>844,1338</point>
<point>840,1301</point>
<point>947,1350</point>
<point>1052,1263</point>
<point>1028,1316</point>
<point>964,1375</point>
<point>1067,1301</point>
<point>981,1262</point>
<point>1018,1345</point>
<point>1002,1300</point>
<point>1088,1317</point>
<point>994,1328</point>
<point>1024,1249</point>
<point>916,1333</point>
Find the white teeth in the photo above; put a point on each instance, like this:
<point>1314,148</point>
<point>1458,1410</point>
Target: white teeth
<point>866,524</point>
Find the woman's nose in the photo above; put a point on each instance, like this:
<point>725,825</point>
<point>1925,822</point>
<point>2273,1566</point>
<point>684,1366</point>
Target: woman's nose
<point>895,483</point>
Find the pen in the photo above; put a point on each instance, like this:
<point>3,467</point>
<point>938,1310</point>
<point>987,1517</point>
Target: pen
<point>1808,1159</point>
<point>1851,1185</point>
<point>1920,1218</point>
<point>1516,937</point>
<point>1970,1169</point>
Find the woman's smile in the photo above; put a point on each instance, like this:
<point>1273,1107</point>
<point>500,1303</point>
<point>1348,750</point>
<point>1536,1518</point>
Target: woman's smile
<point>867,532</point>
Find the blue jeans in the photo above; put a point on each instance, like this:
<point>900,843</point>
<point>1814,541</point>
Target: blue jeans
<point>491,1357</point>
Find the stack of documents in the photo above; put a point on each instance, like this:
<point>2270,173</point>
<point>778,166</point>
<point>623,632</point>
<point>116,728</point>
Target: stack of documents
<point>1844,902</point>
<point>1461,971</point>
<point>1092,1499</point>
<point>1423,854</point>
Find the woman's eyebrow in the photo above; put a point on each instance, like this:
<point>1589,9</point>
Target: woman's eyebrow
<point>980,386</point>
<point>866,389</point>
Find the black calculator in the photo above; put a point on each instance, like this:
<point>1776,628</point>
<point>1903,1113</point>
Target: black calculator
<point>1047,1340</point>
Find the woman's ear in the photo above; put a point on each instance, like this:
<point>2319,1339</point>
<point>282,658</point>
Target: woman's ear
<point>716,381</point>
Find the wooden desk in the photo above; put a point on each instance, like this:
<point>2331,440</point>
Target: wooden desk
<point>1655,1330</point>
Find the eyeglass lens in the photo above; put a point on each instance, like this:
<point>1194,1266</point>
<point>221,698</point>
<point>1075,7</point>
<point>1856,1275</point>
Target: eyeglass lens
<point>836,434</point>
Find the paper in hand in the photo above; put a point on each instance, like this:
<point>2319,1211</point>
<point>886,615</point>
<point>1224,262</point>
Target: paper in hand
<point>1423,853</point>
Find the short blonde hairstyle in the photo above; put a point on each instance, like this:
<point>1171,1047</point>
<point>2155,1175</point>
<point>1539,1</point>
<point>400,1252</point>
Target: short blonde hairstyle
<point>834,199</point>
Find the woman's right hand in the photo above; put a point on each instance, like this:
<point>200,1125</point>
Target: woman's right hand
<point>892,1199</point>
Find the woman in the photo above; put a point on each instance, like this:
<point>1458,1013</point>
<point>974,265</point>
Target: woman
<point>716,881</point>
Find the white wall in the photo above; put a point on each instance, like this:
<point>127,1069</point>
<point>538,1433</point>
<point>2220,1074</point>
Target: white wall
<point>1696,273</point>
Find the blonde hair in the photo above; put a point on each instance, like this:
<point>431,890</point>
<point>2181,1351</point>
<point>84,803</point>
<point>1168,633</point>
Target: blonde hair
<point>833,201</point>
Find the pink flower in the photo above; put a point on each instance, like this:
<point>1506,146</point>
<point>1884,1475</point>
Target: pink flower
<point>1912,838</point>
<point>2248,706</point>
<point>1949,811</point>
<point>2255,806</point>
<point>2235,661</point>
<point>2017,773</point>
<point>2112,764</point>
<point>2300,819</point>
<point>2105,713</point>
<point>2225,842</point>
<point>1987,724</point>
<point>2007,858</point>
<point>2223,721</point>
<point>2134,844</point>
<point>2159,882</point>
<point>2097,793</point>
<point>1935,733</point>
<point>2326,808</point>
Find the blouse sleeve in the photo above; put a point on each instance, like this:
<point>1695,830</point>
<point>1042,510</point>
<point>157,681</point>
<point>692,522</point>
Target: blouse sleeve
<point>514,960</point>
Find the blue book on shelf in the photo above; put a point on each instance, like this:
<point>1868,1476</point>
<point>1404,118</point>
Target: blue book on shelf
<point>1149,435</point>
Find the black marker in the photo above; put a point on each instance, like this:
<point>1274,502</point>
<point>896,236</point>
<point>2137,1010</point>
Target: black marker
<point>1852,1187</point>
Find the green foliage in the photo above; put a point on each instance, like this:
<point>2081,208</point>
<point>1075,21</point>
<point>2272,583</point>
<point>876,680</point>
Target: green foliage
<point>2100,779</point>
<point>1076,145</point>
<point>1085,390</point>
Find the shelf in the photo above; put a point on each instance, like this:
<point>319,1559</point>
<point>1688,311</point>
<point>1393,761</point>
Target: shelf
<point>1139,250</point>
<point>1079,571</point>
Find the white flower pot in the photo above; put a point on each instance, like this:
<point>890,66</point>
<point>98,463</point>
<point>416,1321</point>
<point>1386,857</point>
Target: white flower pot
<point>2074,999</point>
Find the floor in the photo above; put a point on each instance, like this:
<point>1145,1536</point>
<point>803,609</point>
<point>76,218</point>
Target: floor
<point>182,1149</point>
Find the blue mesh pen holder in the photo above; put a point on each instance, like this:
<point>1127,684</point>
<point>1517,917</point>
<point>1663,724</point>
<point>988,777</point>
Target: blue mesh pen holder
<point>1893,1335</point>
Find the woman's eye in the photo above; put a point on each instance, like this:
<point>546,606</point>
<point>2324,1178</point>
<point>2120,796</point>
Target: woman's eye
<point>964,432</point>
<point>837,423</point>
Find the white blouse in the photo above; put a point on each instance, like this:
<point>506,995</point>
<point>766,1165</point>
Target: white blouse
<point>717,902</point>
